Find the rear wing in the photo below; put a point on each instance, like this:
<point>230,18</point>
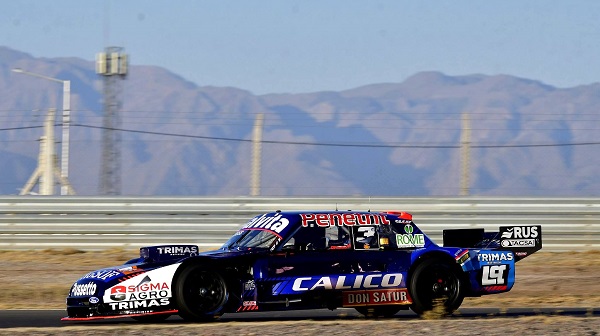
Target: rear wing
<point>521,240</point>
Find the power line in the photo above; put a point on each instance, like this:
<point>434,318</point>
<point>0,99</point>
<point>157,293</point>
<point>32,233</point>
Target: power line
<point>325,144</point>
<point>332,144</point>
<point>20,128</point>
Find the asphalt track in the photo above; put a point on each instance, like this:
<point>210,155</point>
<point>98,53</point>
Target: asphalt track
<point>51,318</point>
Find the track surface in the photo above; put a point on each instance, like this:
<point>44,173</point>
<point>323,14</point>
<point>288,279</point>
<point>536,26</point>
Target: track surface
<point>51,318</point>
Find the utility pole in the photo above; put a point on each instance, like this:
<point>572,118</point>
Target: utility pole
<point>47,169</point>
<point>66,139</point>
<point>256,155</point>
<point>112,65</point>
<point>64,158</point>
<point>465,150</point>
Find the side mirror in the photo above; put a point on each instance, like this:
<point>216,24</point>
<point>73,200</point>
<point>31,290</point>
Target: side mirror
<point>289,247</point>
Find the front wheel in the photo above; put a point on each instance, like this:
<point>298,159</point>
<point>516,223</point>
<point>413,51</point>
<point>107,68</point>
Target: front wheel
<point>200,294</point>
<point>435,284</point>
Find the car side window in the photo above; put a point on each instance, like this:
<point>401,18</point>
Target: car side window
<point>337,237</point>
<point>307,239</point>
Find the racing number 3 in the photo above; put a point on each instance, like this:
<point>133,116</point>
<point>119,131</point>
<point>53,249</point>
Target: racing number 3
<point>494,275</point>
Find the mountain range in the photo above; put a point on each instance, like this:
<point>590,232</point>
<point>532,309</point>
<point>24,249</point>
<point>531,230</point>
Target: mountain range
<point>526,138</point>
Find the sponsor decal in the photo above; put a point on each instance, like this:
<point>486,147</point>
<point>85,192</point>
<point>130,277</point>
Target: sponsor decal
<point>376,297</point>
<point>94,300</point>
<point>249,285</point>
<point>341,219</point>
<point>495,257</point>
<point>365,233</point>
<point>494,275</point>
<point>521,232</point>
<point>148,288</point>
<point>102,275</point>
<point>178,250</point>
<point>362,281</point>
<point>86,289</point>
<point>138,304</point>
<point>144,290</point>
<point>283,269</point>
<point>136,312</point>
<point>520,236</point>
<point>518,243</point>
<point>365,237</point>
<point>128,270</point>
<point>274,223</point>
<point>495,289</point>
<point>248,306</point>
<point>410,240</point>
<point>462,257</point>
<point>152,285</point>
<point>117,293</point>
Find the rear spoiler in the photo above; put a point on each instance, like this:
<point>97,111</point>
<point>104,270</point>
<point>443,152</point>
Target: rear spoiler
<point>521,240</point>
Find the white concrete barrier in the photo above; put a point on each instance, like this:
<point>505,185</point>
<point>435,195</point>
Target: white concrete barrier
<point>91,223</point>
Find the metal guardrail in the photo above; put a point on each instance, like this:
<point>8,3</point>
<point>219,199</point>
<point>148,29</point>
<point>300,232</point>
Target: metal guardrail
<point>92,223</point>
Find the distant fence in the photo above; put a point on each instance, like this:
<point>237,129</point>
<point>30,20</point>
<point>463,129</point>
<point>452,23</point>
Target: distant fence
<point>92,223</point>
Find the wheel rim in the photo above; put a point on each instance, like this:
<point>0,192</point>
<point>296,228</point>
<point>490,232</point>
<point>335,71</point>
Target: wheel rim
<point>205,292</point>
<point>438,283</point>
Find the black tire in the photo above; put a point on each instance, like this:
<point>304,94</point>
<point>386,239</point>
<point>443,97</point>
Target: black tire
<point>200,294</point>
<point>438,283</point>
<point>381,311</point>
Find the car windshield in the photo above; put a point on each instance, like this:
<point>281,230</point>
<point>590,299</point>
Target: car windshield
<point>253,239</point>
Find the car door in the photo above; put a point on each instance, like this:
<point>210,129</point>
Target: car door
<point>327,266</point>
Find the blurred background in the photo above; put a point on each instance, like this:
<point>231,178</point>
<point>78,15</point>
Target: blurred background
<point>299,98</point>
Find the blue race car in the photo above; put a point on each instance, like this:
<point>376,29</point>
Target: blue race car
<point>377,263</point>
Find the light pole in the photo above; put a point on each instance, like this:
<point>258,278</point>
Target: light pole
<point>66,121</point>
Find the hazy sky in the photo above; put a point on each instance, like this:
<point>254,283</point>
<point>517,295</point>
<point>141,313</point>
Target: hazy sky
<point>296,46</point>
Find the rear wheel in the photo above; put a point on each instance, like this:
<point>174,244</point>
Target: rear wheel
<point>200,294</point>
<point>435,284</point>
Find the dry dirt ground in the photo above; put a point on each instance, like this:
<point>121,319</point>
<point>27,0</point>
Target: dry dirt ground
<point>42,279</point>
<point>522,326</point>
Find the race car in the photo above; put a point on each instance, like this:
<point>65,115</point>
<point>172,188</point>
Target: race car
<point>376,262</point>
